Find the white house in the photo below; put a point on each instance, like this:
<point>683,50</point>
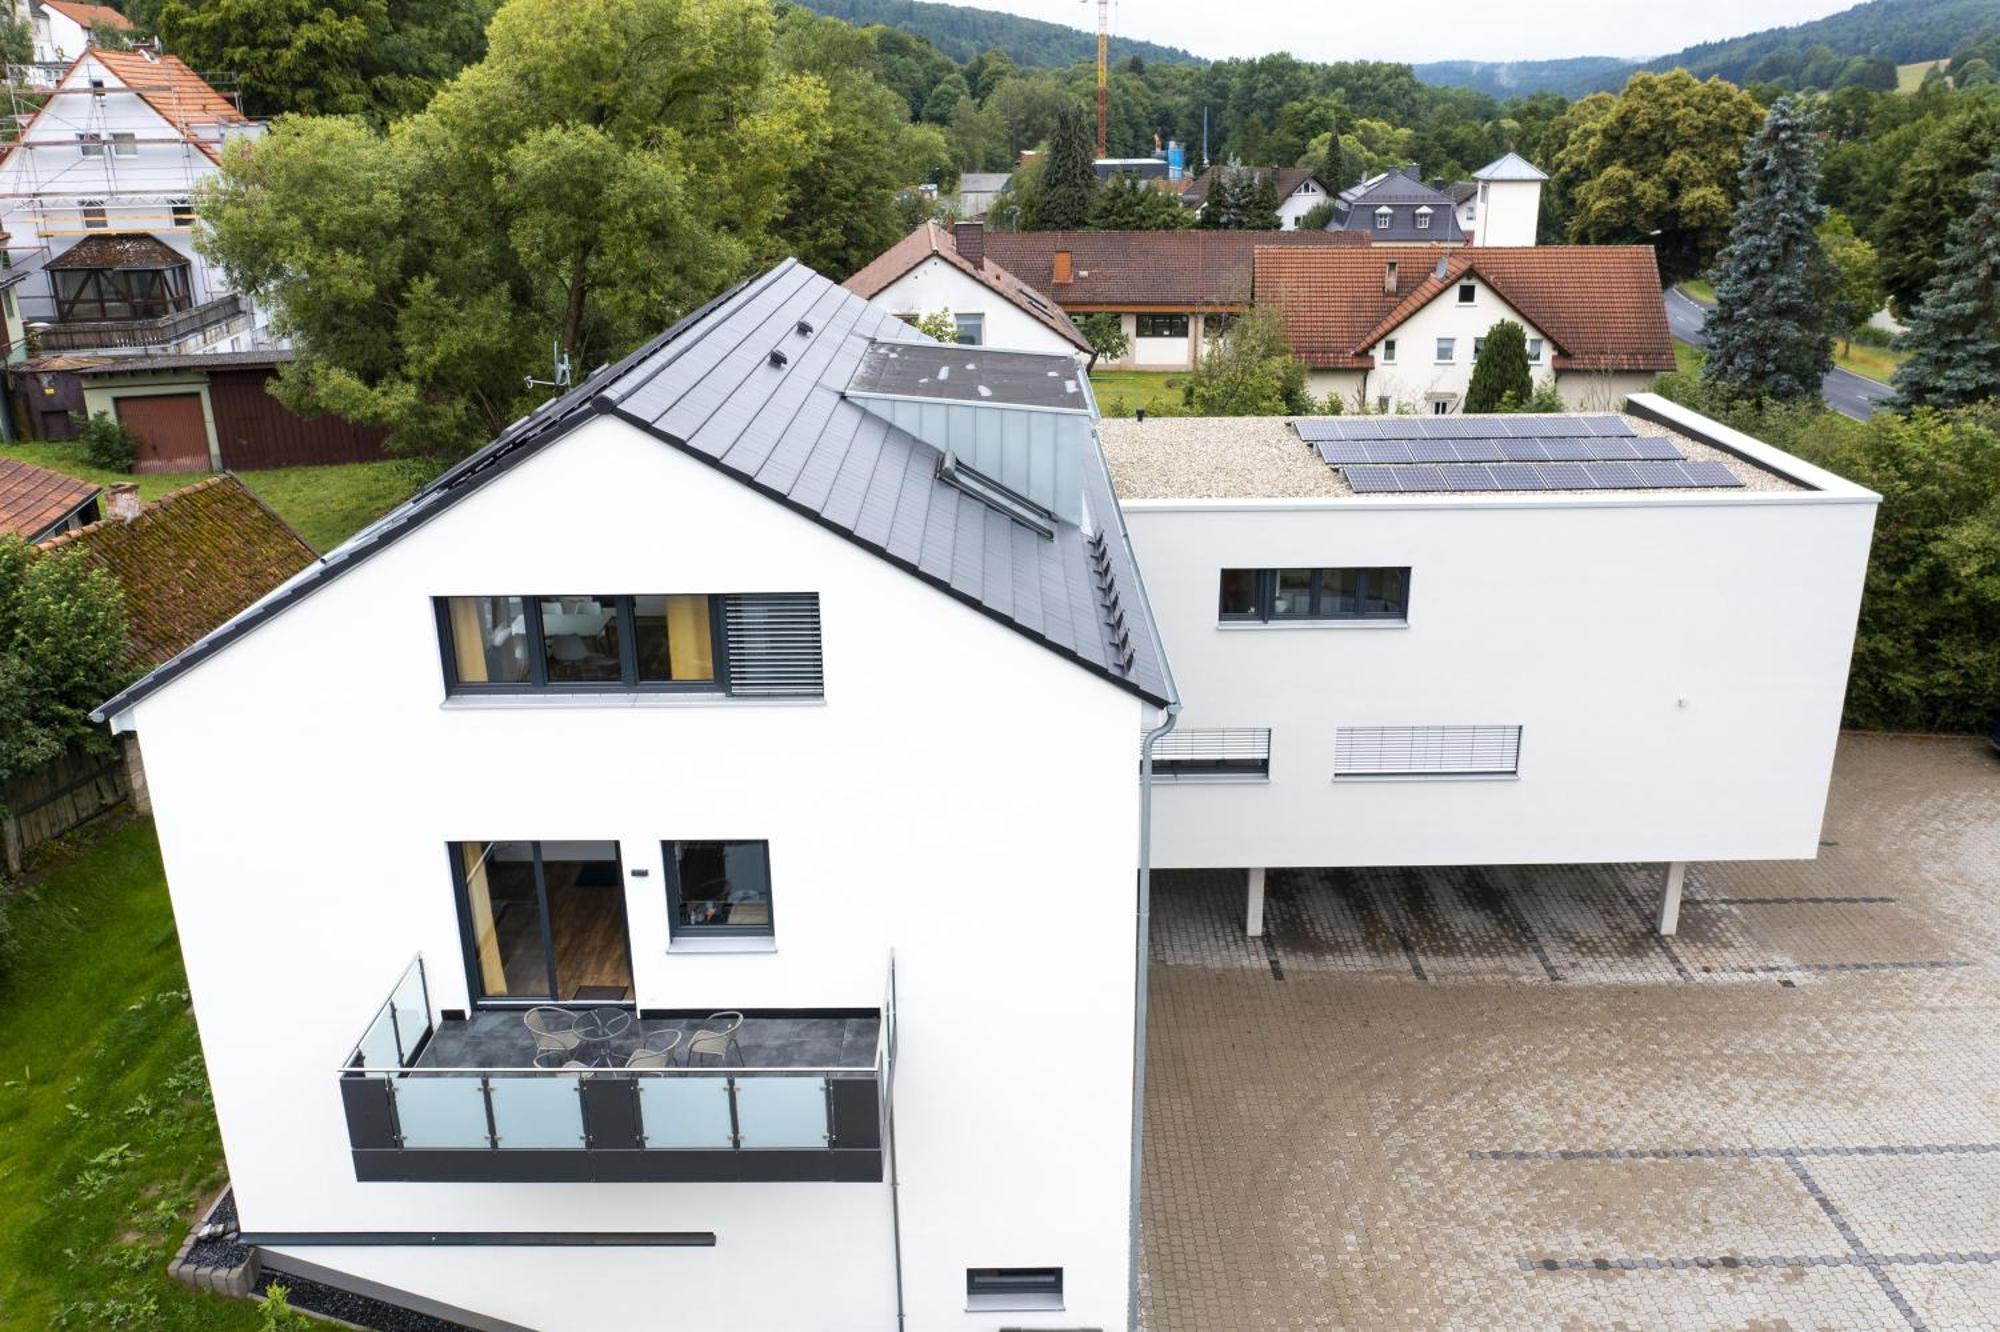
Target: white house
<point>795,668</point>
<point>1299,191</point>
<point>99,208</point>
<point>936,270</point>
<point>1398,328</point>
<point>1507,210</point>
<point>61,28</point>
<point>1633,649</point>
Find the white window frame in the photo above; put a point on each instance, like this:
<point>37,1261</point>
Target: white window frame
<point>124,143</point>
<point>1534,351</point>
<point>1427,753</point>
<point>90,143</point>
<point>1447,351</point>
<point>1468,293</point>
<point>1424,218</point>
<point>1388,351</point>
<point>958,321</point>
<point>1383,216</point>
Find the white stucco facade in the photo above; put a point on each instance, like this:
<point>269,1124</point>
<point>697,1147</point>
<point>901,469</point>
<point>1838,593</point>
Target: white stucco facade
<point>962,796</point>
<point>936,284</point>
<point>1298,203</point>
<point>1676,662</point>
<point>1419,374</point>
<point>1507,212</point>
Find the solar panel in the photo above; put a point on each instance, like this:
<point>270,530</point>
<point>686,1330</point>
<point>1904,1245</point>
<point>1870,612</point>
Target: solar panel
<point>1613,475</point>
<point>1609,425</point>
<point>1373,480</point>
<point>1570,450</point>
<point>1421,478</point>
<point>1710,474</point>
<point>1667,474</point>
<point>1480,450</point>
<point>1516,476</point>
<point>1338,453</point>
<point>1456,427</point>
<point>1565,476</point>
<point>1402,428</point>
<point>1467,476</point>
<point>1652,446</point>
<point>1547,427</point>
<point>1433,451</point>
<point>1315,432</point>
<point>1523,450</point>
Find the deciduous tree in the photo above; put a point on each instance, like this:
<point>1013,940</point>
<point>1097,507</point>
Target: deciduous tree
<point>1857,291</point>
<point>1250,371</point>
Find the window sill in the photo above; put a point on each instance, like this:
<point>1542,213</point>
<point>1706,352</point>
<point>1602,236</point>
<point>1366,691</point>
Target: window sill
<point>612,698</point>
<point>1013,1303</point>
<point>1342,779</point>
<point>735,943</point>
<point>1235,626</point>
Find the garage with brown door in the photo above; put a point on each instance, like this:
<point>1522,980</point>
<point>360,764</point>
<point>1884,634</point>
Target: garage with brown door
<point>172,432</point>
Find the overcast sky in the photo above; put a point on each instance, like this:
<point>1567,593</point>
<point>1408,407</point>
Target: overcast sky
<point>1423,30</point>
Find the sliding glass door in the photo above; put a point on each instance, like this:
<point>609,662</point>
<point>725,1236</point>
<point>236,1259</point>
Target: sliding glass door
<point>544,921</point>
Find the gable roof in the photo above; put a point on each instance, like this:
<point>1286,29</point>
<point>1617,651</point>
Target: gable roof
<point>189,562</point>
<point>1178,270</point>
<point>181,97</point>
<point>1288,181</point>
<point>931,241</point>
<point>1599,304</point>
<point>84,15</point>
<point>34,499</point>
<point>711,387</point>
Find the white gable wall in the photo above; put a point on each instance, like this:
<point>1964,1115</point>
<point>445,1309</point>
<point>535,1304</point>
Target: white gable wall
<point>963,796</point>
<point>1298,203</point>
<point>936,284</point>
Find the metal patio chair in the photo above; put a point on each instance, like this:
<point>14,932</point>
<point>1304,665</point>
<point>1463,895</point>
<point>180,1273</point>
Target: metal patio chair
<point>716,1036</point>
<point>554,1030</point>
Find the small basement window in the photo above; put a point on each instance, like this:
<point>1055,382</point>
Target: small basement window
<point>1004,1288</point>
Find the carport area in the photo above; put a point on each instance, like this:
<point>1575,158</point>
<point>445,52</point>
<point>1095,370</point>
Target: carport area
<point>1480,1098</point>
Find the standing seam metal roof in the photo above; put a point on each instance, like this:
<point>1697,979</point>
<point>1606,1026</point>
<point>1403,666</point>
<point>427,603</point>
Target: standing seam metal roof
<point>710,386</point>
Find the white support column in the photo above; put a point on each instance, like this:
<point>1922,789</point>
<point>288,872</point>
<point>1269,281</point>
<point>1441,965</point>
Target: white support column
<point>1670,896</point>
<point>1255,924</point>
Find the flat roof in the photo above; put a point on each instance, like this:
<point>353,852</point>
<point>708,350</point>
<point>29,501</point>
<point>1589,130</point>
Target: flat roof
<point>1263,457</point>
<point>1045,380</point>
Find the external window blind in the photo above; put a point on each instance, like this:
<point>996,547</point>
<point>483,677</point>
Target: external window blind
<point>773,644</point>
<point>1427,751</point>
<point>1211,751</point>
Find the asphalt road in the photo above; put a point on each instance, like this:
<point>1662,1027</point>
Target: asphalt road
<point>1846,392</point>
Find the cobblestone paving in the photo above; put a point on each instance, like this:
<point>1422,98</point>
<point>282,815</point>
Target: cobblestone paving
<point>1491,1098</point>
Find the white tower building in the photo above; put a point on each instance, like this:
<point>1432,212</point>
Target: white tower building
<point>1510,201</point>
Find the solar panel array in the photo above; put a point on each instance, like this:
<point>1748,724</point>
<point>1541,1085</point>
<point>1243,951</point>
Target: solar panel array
<point>1440,453</point>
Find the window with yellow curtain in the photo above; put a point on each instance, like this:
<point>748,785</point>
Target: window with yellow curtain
<point>489,640</point>
<point>674,638</point>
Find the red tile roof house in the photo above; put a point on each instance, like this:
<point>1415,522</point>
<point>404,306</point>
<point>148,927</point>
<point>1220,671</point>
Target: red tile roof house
<point>1168,287</point>
<point>36,503</point>
<point>1397,328</point>
<point>935,269</point>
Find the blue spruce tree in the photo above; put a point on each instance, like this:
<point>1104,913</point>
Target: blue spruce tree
<point>1954,336</point>
<point>1772,330</point>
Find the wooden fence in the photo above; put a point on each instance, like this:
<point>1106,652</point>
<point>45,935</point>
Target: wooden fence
<point>40,806</point>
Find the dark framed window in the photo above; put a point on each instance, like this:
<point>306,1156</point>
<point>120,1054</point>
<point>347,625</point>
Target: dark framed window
<point>1267,596</point>
<point>543,921</point>
<point>718,888</point>
<point>581,642</point>
<point>1388,351</point>
<point>969,328</point>
<point>1013,1288</point>
<point>1162,326</point>
<point>183,212</point>
<point>1467,293</point>
<point>120,293</point>
<point>1213,753</point>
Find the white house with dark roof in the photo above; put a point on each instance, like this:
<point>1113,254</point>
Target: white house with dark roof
<point>669,879</point>
<point>1492,640</point>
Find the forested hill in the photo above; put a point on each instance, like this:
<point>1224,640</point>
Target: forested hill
<point>1818,54</point>
<point>962,33</point>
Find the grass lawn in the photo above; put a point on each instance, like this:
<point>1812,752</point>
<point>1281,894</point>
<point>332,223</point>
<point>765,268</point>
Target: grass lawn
<point>107,1137</point>
<point>1876,363</point>
<point>1909,78</point>
<point>325,504</point>
<point>1133,389</point>
<point>1687,359</point>
<point>1701,289</point>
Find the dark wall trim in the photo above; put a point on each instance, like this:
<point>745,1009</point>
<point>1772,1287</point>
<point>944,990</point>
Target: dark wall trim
<point>828,1013</point>
<point>475,1239</point>
<point>473,1166</point>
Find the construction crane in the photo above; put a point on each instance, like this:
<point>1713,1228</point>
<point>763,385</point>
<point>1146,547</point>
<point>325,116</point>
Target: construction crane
<point>1103,71</point>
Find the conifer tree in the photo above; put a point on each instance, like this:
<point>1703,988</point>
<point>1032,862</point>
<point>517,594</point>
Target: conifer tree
<point>1260,209</point>
<point>1070,177</point>
<point>1771,332</point>
<point>1501,380</point>
<point>1954,336</point>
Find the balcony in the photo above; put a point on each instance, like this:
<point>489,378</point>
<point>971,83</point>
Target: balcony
<point>166,333</point>
<point>462,1101</point>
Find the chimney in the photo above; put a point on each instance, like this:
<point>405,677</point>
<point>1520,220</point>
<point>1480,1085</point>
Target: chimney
<point>970,238</point>
<point>1389,278</point>
<point>1414,171</point>
<point>121,501</point>
<point>1061,275</point>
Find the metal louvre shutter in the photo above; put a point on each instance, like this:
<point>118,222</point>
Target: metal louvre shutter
<point>773,644</point>
<point>1426,751</point>
<point>1219,745</point>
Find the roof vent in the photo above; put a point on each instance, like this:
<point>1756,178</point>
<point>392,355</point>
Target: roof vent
<point>779,359</point>
<point>805,328</point>
<point>1389,278</point>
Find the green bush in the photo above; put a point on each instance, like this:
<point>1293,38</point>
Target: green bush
<point>106,443</point>
<point>278,1315</point>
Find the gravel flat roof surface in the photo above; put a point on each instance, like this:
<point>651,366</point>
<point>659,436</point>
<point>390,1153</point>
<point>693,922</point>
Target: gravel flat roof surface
<point>1262,457</point>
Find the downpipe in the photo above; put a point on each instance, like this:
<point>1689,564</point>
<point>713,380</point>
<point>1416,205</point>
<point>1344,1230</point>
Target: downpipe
<point>1140,945</point>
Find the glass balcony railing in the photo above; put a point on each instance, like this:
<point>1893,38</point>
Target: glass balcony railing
<point>413,1114</point>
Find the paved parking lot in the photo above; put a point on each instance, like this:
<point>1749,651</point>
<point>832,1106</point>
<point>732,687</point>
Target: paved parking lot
<point>1493,1098</point>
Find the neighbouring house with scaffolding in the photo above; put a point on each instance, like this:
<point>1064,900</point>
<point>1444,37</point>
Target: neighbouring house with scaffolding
<point>97,206</point>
